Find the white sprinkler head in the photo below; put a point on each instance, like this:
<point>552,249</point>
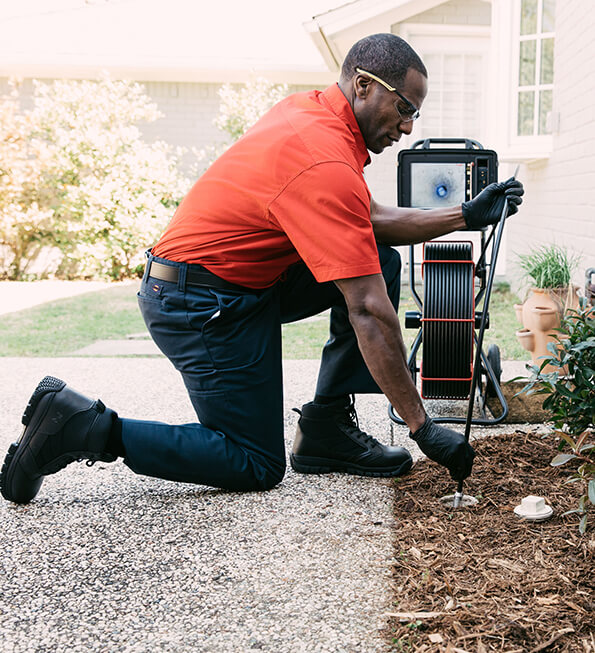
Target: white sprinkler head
<point>534,509</point>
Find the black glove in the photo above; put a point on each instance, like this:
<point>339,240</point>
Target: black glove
<point>486,208</point>
<point>445,447</point>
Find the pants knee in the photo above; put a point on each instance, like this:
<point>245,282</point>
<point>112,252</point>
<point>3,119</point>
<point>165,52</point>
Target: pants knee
<point>260,476</point>
<point>270,476</point>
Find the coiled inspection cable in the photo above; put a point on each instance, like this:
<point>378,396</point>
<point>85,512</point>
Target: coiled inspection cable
<point>448,320</point>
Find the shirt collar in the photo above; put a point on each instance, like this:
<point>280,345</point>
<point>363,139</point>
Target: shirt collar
<point>339,105</point>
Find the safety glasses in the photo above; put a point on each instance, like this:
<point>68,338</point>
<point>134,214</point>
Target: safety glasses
<point>409,114</point>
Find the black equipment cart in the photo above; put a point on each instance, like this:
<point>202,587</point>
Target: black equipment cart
<point>435,173</point>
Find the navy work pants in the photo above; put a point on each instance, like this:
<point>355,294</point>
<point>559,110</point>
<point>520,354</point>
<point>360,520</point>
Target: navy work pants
<point>227,346</point>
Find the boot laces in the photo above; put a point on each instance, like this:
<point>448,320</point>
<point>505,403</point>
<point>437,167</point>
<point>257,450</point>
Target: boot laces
<point>349,421</point>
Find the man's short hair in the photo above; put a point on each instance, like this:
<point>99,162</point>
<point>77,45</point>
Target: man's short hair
<point>386,55</point>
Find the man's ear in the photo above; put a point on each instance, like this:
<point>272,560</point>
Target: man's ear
<point>361,86</point>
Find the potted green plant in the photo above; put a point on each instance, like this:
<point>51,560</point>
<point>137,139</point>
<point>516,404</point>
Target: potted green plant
<point>548,271</point>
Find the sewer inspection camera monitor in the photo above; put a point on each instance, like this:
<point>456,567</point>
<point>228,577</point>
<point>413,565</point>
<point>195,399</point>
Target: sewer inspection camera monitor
<point>434,177</point>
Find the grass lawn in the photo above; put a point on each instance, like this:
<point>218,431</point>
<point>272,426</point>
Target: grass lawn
<point>61,327</point>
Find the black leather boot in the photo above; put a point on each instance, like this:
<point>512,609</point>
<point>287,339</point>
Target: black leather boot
<point>61,426</point>
<point>328,439</point>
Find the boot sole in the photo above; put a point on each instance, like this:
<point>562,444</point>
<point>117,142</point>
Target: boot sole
<point>17,449</point>
<point>311,465</point>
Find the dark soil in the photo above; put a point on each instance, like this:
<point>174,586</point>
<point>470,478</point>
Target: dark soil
<point>481,579</point>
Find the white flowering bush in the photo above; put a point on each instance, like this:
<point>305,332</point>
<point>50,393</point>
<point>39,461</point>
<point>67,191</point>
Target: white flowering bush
<point>25,220</point>
<point>239,109</point>
<point>83,179</point>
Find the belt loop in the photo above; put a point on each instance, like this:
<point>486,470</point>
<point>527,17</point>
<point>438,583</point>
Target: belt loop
<point>149,256</point>
<point>182,270</point>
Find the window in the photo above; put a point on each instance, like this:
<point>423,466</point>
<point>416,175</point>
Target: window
<point>453,106</point>
<point>536,67</point>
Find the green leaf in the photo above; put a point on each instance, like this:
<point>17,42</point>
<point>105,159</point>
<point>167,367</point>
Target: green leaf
<point>561,459</point>
<point>581,439</point>
<point>591,491</point>
<point>582,527</point>
<point>562,389</point>
<point>566,438</point>
<point>571,512</point>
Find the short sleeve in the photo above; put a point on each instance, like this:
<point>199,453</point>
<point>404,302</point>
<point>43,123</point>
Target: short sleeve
<point>325,212</point>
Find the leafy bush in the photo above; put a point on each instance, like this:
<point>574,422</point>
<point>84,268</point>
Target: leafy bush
<point>548,267</point>
<point>570,391</point>
<point>76,174</point>
<point>25,214</point>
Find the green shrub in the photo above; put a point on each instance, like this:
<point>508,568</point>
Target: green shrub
<point>570,391</point>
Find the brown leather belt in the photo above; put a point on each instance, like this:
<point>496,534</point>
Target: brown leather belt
<point>196,275</point>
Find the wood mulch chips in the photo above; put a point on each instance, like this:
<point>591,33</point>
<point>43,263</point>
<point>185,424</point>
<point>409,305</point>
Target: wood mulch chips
<point>481,579</point>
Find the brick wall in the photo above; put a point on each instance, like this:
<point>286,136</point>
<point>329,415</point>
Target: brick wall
<point>560,191</point>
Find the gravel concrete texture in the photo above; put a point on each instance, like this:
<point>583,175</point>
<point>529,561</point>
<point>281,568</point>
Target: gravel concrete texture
<point>105,560</point>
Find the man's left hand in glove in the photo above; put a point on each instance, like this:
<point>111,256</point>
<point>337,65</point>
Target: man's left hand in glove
<point>486,208</point>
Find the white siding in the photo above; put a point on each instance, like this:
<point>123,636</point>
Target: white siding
<point>381,174</point>
<point>189,110</point>
<point>559,203</point>
<point>457,12</point>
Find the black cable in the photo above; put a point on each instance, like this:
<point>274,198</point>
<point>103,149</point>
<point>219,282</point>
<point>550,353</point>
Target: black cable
<point>448,325</point>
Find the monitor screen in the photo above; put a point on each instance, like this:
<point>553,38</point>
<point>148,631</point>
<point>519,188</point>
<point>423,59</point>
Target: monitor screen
<point>434,185</point>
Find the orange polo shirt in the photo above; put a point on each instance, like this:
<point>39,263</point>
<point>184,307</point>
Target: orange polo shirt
<point>291,189</point>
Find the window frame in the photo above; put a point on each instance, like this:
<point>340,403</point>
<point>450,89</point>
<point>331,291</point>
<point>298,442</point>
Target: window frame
<point>534,145</point>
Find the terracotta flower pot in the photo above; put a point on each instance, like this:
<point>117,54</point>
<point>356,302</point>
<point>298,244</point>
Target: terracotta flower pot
<point>526,338</point>
<point>540,316</point>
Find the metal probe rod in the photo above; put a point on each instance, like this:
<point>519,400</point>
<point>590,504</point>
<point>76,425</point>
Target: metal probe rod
<point>459,493</point>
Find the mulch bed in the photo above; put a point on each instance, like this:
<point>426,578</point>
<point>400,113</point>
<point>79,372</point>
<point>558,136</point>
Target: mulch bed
<point>481,579</point>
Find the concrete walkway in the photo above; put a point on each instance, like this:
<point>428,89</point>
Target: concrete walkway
<point>18,295</point>
<point>105,560</point>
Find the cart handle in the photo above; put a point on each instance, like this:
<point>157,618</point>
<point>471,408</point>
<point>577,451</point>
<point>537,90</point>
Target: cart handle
<point>470,144</point>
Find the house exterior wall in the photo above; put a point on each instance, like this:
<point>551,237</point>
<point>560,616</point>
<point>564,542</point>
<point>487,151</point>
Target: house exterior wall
<point>559,205</point>
<point>456,12</point>
<point>381,175</point>
<point>189,110</point>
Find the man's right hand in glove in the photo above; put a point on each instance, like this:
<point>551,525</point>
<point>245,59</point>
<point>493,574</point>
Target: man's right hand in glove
<point>445,447</point>
<point>486,208</point>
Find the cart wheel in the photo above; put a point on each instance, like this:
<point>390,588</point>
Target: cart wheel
<point>493,357</point>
